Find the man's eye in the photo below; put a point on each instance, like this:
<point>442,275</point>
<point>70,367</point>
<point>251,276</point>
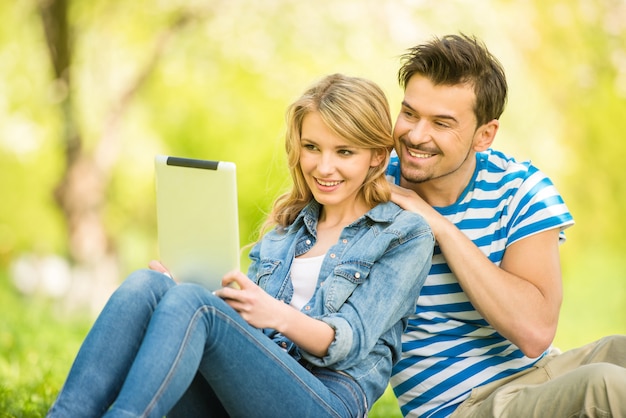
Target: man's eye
<point>410,115</point>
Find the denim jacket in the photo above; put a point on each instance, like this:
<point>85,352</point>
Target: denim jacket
<point>367,287</point>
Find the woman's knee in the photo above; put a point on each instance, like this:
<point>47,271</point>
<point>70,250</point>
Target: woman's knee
<point>191,294</point>
<point>146,282</point>
<point>188,300</point>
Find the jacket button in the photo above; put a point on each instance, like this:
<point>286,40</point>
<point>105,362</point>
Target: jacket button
<point>307,308</point>
<point>308,242</point>
<point>345,241</point>
<point>357,275</point>
<point>333,255</point>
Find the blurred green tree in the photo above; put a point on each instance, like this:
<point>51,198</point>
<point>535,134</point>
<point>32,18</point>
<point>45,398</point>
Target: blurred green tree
<point>212,79</point>
<point>81,192</point>
<point>577,52</point>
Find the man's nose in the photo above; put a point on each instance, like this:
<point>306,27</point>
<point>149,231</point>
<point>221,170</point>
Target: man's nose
<point>419,133</point>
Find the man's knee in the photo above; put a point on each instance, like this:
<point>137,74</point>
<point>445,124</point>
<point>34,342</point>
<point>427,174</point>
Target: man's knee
<point>602,374</point>
<point>610,349</point>
<point>604,384</point>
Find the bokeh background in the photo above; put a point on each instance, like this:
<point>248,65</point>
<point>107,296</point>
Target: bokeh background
<point>91,91</point>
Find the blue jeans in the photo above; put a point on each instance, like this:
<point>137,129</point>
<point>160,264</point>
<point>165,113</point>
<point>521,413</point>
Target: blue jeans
<point>159,347</point>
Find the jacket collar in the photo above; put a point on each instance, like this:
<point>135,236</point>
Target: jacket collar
<point>309,215</point>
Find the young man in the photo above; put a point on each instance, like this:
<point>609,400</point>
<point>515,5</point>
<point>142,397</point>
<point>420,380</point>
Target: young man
<point>479,343</point>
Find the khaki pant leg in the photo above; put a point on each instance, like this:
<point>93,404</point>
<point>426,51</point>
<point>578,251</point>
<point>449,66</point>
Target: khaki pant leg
<point>586,382</point>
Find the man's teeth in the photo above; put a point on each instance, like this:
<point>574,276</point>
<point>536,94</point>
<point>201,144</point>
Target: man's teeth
<point>328,183</point>
<point>418,154</point>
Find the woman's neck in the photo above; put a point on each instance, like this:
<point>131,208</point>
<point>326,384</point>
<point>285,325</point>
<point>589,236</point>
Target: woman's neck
<point>331,222</point>
<point>333,216</point>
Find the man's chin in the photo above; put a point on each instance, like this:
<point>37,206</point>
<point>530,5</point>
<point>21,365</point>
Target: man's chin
<point>413,177</point>
<point>412,180</point>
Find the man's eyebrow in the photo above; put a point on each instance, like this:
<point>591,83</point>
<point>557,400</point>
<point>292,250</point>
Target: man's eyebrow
<point>405,104</point>
<point>443,116</point>
<point>446,117</point>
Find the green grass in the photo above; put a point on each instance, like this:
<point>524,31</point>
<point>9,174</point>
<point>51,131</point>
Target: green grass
<point>38,343</point>
<point>386,406</point>
<point>37,346</point>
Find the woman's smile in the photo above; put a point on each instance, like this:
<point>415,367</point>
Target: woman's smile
<point>333,168</point>
<point>328,184</point>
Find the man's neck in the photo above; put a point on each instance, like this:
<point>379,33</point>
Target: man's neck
<point>443,191</point>
<point>432,193</point>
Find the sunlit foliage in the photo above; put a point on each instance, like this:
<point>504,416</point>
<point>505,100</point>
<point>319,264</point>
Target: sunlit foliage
<point>217,76</point>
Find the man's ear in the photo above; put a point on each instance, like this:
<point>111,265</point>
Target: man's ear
<point>485,134</point>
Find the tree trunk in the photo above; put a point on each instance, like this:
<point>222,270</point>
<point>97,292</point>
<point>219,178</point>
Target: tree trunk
<point>81,191</point>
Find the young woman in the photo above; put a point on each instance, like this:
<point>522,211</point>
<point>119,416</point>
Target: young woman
<point>313,329</point>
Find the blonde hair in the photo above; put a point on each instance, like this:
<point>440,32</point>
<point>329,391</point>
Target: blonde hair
<point>355,109</point>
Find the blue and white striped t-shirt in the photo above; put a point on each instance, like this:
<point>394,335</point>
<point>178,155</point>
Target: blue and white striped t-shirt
<point>448,348</point>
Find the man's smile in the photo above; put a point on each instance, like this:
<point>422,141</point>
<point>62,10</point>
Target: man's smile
<point>419,154</point>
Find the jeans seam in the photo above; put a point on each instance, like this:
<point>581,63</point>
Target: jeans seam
<point>356,391</point>
<point>168,378</point>
<point>206,308</point>
<point>280,364</point>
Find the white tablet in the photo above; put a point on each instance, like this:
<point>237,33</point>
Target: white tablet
<point>197,218</point>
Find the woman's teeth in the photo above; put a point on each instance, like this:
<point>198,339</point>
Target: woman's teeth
<point>328,183</point>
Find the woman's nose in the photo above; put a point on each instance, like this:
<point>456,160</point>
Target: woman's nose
<point>327,163</point>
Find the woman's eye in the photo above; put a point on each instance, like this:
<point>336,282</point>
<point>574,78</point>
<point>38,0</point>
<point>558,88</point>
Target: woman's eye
<point>345,152</point>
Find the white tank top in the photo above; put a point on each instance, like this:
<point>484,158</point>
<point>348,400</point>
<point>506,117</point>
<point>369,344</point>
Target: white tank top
<point>304,274</point>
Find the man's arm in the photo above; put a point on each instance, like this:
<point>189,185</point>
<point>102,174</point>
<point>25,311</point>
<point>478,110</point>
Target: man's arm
<point>522,297</point>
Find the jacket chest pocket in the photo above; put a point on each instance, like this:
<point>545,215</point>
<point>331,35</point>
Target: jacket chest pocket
<point>266,268</point>
<point>346,277</point>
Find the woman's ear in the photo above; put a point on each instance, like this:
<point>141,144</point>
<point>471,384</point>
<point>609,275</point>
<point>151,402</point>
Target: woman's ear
<point>378,157</point>
<point>485,134</point>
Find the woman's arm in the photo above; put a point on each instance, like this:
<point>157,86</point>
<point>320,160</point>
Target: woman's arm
<point>399,266</point>
<point>263,311</point>
<point>394,265</point>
